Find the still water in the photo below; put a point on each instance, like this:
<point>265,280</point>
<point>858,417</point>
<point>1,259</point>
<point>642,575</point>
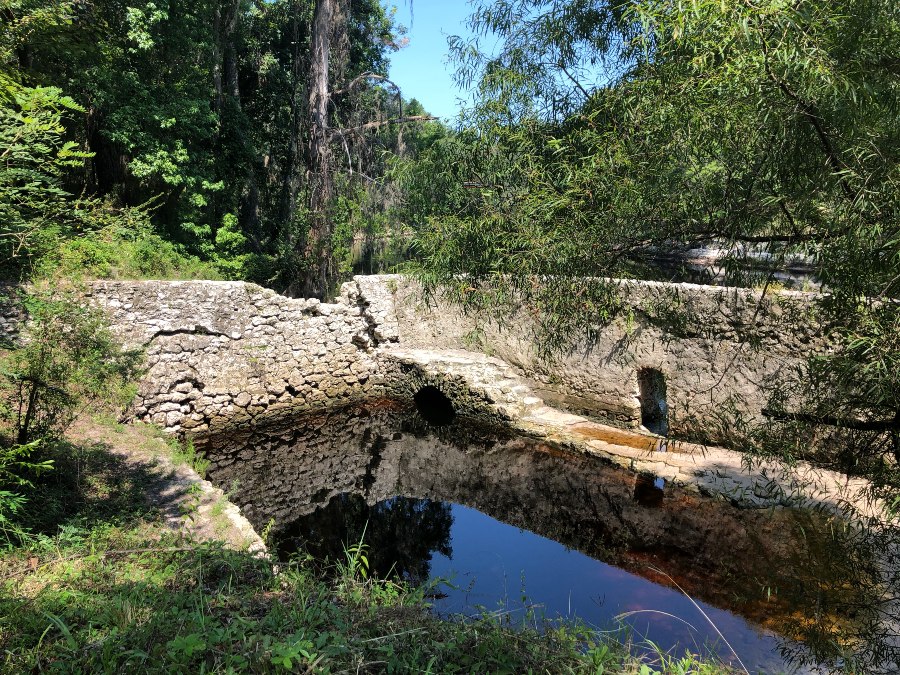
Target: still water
<point>530,529</point>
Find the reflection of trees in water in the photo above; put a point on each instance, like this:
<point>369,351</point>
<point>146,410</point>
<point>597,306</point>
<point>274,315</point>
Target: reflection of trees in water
<point>843,589</point>
<point>401,533</point>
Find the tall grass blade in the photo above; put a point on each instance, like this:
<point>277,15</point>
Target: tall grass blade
<point>705,616</point>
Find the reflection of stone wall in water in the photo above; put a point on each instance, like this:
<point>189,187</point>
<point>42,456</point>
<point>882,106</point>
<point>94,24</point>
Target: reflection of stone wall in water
<point>714,550</point>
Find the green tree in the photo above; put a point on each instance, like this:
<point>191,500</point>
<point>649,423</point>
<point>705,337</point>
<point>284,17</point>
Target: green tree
<point>67,359</point>
<point>761,123</point>
<point>603,129</point>
<point>202,110</point>
<point>35,209</point>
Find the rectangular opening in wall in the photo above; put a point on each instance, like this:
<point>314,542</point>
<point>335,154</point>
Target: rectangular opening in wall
<point>652,393</point>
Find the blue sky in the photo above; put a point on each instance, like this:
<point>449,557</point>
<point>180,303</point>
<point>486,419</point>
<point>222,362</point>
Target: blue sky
<point>421,69</point>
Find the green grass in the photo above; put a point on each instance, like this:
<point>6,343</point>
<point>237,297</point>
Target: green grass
<point>99,585</point>
<point>184,453</point>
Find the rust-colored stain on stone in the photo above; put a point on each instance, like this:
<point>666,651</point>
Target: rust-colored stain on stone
<point>629,439</point>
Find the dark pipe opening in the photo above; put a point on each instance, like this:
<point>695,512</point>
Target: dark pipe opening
<point>654,409</point>
<point>649,490</point>
<point>434,406</point>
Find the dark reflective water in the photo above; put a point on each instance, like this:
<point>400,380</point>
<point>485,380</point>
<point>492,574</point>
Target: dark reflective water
<point>507,517</point>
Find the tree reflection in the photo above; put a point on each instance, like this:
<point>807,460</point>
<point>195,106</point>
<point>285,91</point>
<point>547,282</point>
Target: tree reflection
<point>824,580</point>
<point>401,534</point>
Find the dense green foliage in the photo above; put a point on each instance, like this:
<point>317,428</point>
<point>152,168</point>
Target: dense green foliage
<point>187,123</point>
<point>767,123</point>
<point>34,208</point>
<point>605,132</point>
<point>732,122</point>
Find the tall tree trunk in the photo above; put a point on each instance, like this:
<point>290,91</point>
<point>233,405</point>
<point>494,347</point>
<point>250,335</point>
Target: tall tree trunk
<point>216,57</point>
<point>226,16</point>
<point>290,181</point>
<point>107,170</point>
<point>231,84</point>
<point>318,245</point>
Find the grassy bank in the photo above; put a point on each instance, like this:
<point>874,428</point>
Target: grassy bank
<point>103,583</point>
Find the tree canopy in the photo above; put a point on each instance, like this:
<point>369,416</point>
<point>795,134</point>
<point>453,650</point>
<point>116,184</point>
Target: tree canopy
<point>198,115</point>
<point>604,127</point>
<point>604,132</point>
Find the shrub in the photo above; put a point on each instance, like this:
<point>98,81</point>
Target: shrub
<point>124,248</point>
<point>67,359</point>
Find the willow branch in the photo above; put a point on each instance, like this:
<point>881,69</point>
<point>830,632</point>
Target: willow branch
<point>831,421</point>
<point>809,112</point>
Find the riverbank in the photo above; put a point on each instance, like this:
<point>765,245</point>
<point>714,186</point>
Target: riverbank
<point>133,563</point>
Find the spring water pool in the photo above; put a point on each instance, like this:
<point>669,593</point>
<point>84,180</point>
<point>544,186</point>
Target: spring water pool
<point>532,530</point>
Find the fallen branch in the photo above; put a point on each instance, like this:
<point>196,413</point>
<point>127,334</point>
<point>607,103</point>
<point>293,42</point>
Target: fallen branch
<point>369,126</point>
<point>359,79</point>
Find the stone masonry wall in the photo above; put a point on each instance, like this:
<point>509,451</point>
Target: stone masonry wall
<point>220,353</point>
<point>11,314</point>
<point>718,349</point>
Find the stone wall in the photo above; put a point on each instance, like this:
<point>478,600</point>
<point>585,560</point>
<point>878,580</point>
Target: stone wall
<point>719,350</point>
<point>229,352</point>
<point>222,353</point>
<point>11,313</point>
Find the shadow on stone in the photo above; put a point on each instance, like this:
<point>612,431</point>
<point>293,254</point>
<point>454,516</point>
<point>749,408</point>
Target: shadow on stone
<point>654,407</point>
<point>648,490</point>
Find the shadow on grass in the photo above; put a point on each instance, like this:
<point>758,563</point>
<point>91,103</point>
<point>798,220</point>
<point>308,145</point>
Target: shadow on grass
<point>90,485</point>
<point>167,605</point>
<point>209,609</point>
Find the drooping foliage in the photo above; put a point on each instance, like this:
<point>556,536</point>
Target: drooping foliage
<point>606,131</point>
<point>604,126</point>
